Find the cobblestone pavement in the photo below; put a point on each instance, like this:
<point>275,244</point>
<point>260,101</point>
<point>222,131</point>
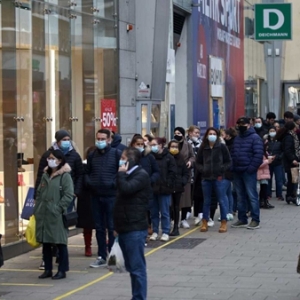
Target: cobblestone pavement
<point>238,265</point>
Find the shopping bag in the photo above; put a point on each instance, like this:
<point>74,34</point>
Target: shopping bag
<point>27,211</point>
<point>295,174</point>
<point>30,233</point>
<point>1,254</point>
<point>115,258</point>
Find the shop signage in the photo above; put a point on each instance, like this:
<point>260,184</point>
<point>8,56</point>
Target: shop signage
<point>273,21</point>
<point>216,77</point>
<point>143,91</point>
<point>108,114</point>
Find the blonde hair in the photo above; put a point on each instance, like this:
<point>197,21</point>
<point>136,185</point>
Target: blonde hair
<point>192,128</point>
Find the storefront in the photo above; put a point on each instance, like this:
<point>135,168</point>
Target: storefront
<point>59,70</point>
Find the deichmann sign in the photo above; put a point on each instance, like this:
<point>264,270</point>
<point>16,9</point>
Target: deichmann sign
<point>273,21</point>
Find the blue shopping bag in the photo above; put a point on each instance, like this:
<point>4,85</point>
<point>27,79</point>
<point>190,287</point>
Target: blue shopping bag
<point>27,211</point>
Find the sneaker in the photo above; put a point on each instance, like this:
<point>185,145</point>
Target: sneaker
<point>230,217</point>
<point>164,237</point>
<point>185,224</point>
<point>210,223</point>
<point>253,225</point>
<point>42,265</point>
<point>154,236</point>
<point>280,198</point>
<point>239,224</point>
<point>188,215</point>
<point>197,221</point>
<point>99,262</point>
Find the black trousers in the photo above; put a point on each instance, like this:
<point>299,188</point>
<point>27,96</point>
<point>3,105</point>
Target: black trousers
<point>63,265</point>
<point>175,208</point>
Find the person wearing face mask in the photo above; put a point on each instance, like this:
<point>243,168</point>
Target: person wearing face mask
<point>63,143</point>
<point>186,150</point>
<point>291,155</point>
<point>101,170</point>
<point>259,128</point>
<point>56,184</point>
<point>162,189</point>
<point>274,150</point>
<point>247,156</point>
<point>213,160</point>
<point>182,177</point>
<point>149,164</point>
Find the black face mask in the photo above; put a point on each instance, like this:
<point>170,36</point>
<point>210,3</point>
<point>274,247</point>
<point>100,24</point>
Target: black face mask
<point>178,138</point>
<point>242,129</point>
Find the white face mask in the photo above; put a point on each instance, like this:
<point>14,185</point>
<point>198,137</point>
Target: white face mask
<point>52,163</point>
<point>194,139</point>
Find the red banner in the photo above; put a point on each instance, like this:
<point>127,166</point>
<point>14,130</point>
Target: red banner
<point>108,114</point>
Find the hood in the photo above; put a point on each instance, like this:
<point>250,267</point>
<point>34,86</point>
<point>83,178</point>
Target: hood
<point>116,141</point>
<point>56,147</point>
<point>64,169</point>
<point>250,131</point>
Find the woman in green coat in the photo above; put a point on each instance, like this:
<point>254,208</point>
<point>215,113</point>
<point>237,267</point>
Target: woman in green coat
<point>54,195</point>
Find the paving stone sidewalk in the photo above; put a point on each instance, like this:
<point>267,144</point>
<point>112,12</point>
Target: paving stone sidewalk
<point>238,265</point>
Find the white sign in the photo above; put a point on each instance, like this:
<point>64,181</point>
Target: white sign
<point>143,91</point>
<point>266,20</point>
<point>216,80</point>
<point>171,66</point>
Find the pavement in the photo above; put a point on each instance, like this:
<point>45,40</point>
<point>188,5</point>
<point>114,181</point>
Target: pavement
<point>238,265</point>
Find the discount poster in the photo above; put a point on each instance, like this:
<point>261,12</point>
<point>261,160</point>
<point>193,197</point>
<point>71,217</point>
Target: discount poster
<point>109,114</point>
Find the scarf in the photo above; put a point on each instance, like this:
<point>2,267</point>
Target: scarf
<point>195,145</point>
<point>296,143</point>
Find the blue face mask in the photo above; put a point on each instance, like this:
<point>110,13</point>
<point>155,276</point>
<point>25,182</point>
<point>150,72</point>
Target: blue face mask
<point>122,162</point>
<point>101,144</point>
<point>141,149</point>
<point>65,145</point>
<point>212,138</point>
<point>257,125</point>
<point>154,149</point>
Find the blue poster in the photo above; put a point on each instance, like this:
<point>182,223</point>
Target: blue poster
<point>27,211</point>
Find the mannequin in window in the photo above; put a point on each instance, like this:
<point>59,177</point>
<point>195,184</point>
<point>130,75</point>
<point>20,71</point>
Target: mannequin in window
<point>293,97</point>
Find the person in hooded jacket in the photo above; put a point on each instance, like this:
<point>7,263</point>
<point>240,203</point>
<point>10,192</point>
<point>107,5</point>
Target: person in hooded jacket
<point>116,142</point>
<point>182,178</point>
<point>53,196</point>
<point>162,189</point>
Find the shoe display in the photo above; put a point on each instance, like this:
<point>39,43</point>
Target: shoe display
<point>239,224</point>
<point>59,275</point>
<point>99,262</point>
<point>42,265</point>
<point>164,237</point>
<point>210,223</point>
<point>46,274</point>
<point>154,236</point>
<point>185,224</point>
<point>253,225</point>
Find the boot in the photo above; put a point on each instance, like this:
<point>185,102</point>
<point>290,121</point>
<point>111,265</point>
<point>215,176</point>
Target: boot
<point>87,234</point>
<point>261,203</point>
<point>223,227</point>
<point>298,266</point>
<point>269,205</point>
<point>204,226</point>
<point>150,230</point>
<point>175,231</point>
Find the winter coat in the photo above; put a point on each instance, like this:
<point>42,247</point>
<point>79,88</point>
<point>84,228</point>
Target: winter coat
<point>102,168</point>
<point>229,143</point>
<point>261,131</point>
<point>75,162</point>
<point>263,171</point>
<point>212,163</point>
<point>182,174</point>
<point>84,207</point>
<point>116,143</point>
<point>289,153</point>
<point>247,152</point>
<point>167,170</point>
<point>134,192</point>
<point>149,164</point>
<point>51,203</point>
<point>187,153</point>
<point>274,148</point>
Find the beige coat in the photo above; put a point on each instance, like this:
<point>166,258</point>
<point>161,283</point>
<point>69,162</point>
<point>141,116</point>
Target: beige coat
<point>188,155</point>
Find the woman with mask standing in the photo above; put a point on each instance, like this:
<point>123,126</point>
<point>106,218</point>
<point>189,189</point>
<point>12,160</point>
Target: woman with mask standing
<point>162,189</point>
<point>186,150</point>
<point>213,160</point>
<point>53,196</point>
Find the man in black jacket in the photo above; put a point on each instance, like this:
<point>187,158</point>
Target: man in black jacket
<point>130,218</point>
<point>101,170</point>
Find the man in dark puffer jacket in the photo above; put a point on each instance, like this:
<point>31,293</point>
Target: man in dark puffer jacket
<point>247,156</point>
<point>102,168</point>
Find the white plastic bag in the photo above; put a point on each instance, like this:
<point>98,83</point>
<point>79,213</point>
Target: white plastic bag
<point>115,258</point>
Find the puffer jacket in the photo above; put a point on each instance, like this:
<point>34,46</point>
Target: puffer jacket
<point>263,171</point>
<point>51,203</point>
<point>247,152</point>
<point>274,148</point>
<point>149,164</point>
<point>182,175</point>
<point>289,153</point>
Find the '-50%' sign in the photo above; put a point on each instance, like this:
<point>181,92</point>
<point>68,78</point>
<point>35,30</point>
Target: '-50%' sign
<point>108,114</point>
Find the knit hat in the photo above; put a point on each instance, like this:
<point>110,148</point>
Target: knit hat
<point>181,130</point>
<point>60,134</point>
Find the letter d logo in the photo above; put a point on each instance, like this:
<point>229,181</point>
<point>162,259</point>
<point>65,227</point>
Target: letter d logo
<point>280,16</point>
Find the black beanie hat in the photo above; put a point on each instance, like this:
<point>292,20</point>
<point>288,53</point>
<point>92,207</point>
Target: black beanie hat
<point>60,134</point>
<point>181,130</point>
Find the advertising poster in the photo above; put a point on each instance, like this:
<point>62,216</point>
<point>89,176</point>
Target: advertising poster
<point>109,114</point>
<point>218,31</point>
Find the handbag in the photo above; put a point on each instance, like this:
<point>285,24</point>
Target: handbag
<point>30,233</point>
<point>295,175</point>
<point>69,218</point>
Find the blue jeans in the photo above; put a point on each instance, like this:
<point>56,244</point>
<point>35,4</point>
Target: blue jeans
<point>220,187</point>
<point>245,185</point>
<point>277,171</point>
<point>161,205</point>
<point>229,197</point>
<point>132,245</point>
<point>103,219</point>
